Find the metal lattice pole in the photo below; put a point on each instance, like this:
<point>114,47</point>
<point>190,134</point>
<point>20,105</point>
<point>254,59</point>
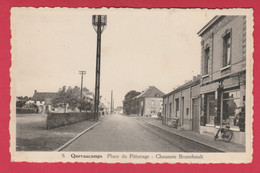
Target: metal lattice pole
<point>99,24</point>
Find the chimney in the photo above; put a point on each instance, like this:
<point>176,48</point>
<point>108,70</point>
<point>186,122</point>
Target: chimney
<point>194,78</point>
<point>35,91</point>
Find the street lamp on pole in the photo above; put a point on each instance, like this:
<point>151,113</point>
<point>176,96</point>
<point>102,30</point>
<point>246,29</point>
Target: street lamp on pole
<point>99,23</point>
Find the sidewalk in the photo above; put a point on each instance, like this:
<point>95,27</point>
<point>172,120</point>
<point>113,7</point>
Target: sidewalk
<point>200,138</point>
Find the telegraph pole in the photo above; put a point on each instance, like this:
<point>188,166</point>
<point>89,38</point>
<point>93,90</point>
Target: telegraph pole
<point>99,23</point>
<point>111,106</point>
<point>82,73</point>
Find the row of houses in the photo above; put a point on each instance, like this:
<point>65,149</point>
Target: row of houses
<point>217,96</point>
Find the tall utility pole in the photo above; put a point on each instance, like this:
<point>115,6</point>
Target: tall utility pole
<point>111,106</point>
<point>99,23</point>
<point>82,73</point>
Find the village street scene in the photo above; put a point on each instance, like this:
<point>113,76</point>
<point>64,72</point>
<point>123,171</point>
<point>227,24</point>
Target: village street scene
<point>197,106</point>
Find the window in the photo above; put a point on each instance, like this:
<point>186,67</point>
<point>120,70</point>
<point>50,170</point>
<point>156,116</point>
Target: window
<point>227,50</point>
<point>187,111</point>
<point>153,103</point>
<point>161,103</point>
<point>206,61</point>
<point>231,108</point>
<point>152,110</point>
<point>170,111</point>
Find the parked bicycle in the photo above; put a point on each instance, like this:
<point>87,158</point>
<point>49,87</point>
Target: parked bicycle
<point>225,133</point>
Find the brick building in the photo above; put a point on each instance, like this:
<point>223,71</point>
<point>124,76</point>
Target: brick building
<point>223,69</point>
<point>182,104</point>
<point>150,102</point>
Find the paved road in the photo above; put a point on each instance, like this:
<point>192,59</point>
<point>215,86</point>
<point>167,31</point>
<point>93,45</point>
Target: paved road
<point>121,133</point>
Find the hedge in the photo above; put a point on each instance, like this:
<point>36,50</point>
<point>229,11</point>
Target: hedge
<point>26,111</point>
<point>62,119</point>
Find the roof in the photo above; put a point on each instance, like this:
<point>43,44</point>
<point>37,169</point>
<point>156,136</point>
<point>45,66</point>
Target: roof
<point>209,24</point>
<point>88,94</point>
<point>152,91</point>
<point>40,96</point>
<point>193,82</point>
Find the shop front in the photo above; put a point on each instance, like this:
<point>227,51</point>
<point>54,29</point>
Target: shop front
<point>223,103</point>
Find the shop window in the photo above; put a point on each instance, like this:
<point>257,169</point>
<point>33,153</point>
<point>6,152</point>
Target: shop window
<point>227,49</point>
<point>231,108</point>
<point>206,61</point>
<point>211,108</point>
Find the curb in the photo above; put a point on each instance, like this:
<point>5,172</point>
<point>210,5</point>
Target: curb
<point>76,137</point>
<point>184,136</point>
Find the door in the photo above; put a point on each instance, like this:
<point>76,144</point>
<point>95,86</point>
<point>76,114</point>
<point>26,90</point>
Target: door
<point>195,114</point>
<point>182,110</point>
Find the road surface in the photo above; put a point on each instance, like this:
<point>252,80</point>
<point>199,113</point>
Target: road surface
<point>119,133</point>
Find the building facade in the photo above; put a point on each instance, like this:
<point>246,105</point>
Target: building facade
<point>150,102</point>
<point>223,69</point>
<point>43,100</point>
<point>182,105</point>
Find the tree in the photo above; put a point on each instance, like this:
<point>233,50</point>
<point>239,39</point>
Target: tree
<point>70,97</point>
<point>65,97</point>
<point>21,101</point>
<point>84,105</point>
<point>127,103</point>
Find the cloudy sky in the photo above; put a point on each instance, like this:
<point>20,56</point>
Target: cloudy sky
<point>140,48</point>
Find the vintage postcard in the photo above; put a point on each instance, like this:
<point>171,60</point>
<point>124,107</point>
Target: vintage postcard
<point>131,85</point>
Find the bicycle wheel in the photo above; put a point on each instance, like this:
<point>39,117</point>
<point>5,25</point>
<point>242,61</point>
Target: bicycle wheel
<point>227,136</point>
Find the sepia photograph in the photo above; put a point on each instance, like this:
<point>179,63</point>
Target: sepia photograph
<point>131,85</point>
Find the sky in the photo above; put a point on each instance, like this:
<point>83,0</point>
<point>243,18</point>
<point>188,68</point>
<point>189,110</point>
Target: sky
<point>140,48</point>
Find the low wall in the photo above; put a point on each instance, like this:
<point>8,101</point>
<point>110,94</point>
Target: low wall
<point>25,111</point>
<point>62,119</point>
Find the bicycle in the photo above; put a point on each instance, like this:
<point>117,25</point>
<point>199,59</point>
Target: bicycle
<point>226,133</point>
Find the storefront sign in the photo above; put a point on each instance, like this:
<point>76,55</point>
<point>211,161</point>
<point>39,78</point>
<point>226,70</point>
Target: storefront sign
<point>209,88</point>
<point>231,82</point>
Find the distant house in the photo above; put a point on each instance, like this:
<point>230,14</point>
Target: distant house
<point>43,100</point>
<point>88,96</point>
<point>150,102</point>
<point>119,110</point>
